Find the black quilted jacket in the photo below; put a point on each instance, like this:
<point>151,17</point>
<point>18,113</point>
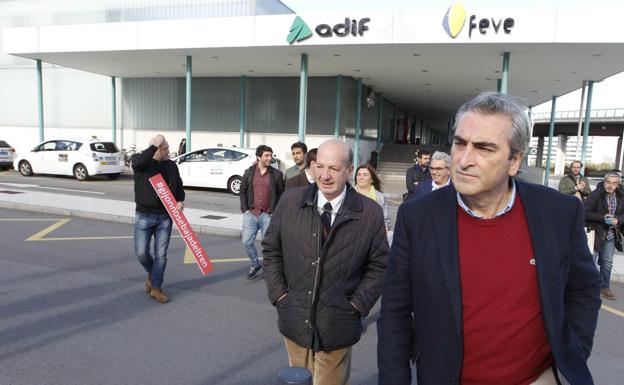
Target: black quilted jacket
<point>322,282</point>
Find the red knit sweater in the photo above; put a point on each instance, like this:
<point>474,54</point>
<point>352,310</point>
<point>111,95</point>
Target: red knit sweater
<point>504,337</point>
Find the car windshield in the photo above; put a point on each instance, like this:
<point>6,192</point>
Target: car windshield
<point>4,144</point>
<point>108,147</point>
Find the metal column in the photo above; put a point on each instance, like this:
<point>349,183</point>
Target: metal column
<point>358,124</point>
<point>580,122</point>
<point>379,124</point>
<point>505,73</point>
<point>303,96</point>
<point>551,131</point>
<point>114,103</point>
<point>243,111</point>
<point>338,105</point>
<point>590,88</point>
<point>189,78</point>
<point>394,124</point>
<point>40,99</point>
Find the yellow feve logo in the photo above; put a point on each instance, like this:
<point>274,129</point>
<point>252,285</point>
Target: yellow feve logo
<point>454,19</point>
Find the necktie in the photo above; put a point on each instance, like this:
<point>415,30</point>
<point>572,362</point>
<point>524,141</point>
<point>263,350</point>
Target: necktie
<point>326,219</point>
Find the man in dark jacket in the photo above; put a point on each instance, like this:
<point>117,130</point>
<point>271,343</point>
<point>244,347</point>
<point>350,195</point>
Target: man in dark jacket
<point>307,176</point>
<point>604,212</point>
<point>260,190</point>
<point>324,259</point>
<point>499,286</point>
<point>151,217</point>
<point>417,173</point>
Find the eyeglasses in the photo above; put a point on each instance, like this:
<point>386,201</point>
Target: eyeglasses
<point>437,169</point>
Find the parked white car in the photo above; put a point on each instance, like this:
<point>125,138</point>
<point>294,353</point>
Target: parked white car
<point>77,157</point>
<point>217,167</point>
<point>7,154</point>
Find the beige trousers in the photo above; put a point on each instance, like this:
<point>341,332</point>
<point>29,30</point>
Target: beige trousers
<point>546,378</point>
<point>327,368</point>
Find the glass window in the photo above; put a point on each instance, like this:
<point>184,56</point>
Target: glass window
<point>4,144</point>
<point>237,155</point>
<point>108,147</point>
<point>197,156</point>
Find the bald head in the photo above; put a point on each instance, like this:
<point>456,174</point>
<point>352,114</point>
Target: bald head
<point>338,147</point>
<point>334,165</point>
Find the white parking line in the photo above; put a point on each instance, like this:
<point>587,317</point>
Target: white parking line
<point>22,185</point>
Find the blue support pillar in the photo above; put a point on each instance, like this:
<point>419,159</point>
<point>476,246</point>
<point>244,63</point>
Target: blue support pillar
<point>505,73</point>
<point>394,124</point>
<point>242,111</point>
<point>358,124</point>
<point>338,105</point>
<point>590,88</point>
<point>303,96</point>
<point>114,105</point>
<point>40,99</point>
<point>551,131</point>
<point>189,85</point>
<point>379,124</point>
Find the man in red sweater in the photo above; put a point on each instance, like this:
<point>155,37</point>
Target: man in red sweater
<point>499,287</point>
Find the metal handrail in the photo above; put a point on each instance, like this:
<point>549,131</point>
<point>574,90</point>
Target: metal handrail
<point>606,114</point>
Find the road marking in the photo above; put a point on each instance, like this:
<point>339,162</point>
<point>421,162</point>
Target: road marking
<point>27,219</point>
<point>188,258</point>
<point>48,230</point>
<point>22,185</point>
<point>73,190</point>
<point>610,310</point>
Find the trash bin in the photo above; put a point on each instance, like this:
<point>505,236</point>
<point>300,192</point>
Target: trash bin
<point>294,375</point>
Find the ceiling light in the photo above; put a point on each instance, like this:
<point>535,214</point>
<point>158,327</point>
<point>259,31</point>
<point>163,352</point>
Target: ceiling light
<point>425,71</point>
<point>427,84</point>
<point>415,54</point>
<point>250,70</point>
<point>215,57</point>
<point>288,64</point>
<point>337,55</point>
<point>574,72</point>
<point>557,80</point>
<point>496,72</point>
<point>357,70</point>
<point>488,78</point>
<point>597,55</point>
<point>534,91</point>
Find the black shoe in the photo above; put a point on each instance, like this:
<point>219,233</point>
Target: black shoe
<point>253,271</point>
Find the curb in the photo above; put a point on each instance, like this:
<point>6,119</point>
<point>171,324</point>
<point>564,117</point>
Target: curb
<point>200,229</point>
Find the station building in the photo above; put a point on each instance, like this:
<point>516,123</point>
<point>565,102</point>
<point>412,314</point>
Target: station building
<point>249,72</point>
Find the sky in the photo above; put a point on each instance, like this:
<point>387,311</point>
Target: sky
<point>606,94</point>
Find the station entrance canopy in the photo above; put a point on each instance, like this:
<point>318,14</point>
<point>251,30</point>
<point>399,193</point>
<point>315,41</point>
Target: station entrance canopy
<point>427,61</point>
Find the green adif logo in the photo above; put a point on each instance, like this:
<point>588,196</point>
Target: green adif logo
<point>299,31</point>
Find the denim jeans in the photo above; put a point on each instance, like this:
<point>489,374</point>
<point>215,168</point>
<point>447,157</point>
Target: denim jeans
<point>605,261</point>
<point>251,225</point>
<point>158,226</point>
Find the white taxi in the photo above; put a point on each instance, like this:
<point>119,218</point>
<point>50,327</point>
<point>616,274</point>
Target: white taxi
<point>217,167</point>
<point>80,158</point>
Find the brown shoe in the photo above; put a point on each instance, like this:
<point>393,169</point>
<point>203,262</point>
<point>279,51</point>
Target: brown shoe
<point>159,296</point>
<point>608,294</point>
<point>148,283</point>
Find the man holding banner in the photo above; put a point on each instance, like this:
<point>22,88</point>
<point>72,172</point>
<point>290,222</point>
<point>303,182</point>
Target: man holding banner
<point>151,218</point>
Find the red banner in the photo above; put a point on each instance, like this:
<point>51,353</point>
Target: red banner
<point>182,224</point>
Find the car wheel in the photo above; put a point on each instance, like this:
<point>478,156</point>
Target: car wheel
<point>234,185</point>
<point>113,176</point>
<point>80,172</point>
<point>25,168</point>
